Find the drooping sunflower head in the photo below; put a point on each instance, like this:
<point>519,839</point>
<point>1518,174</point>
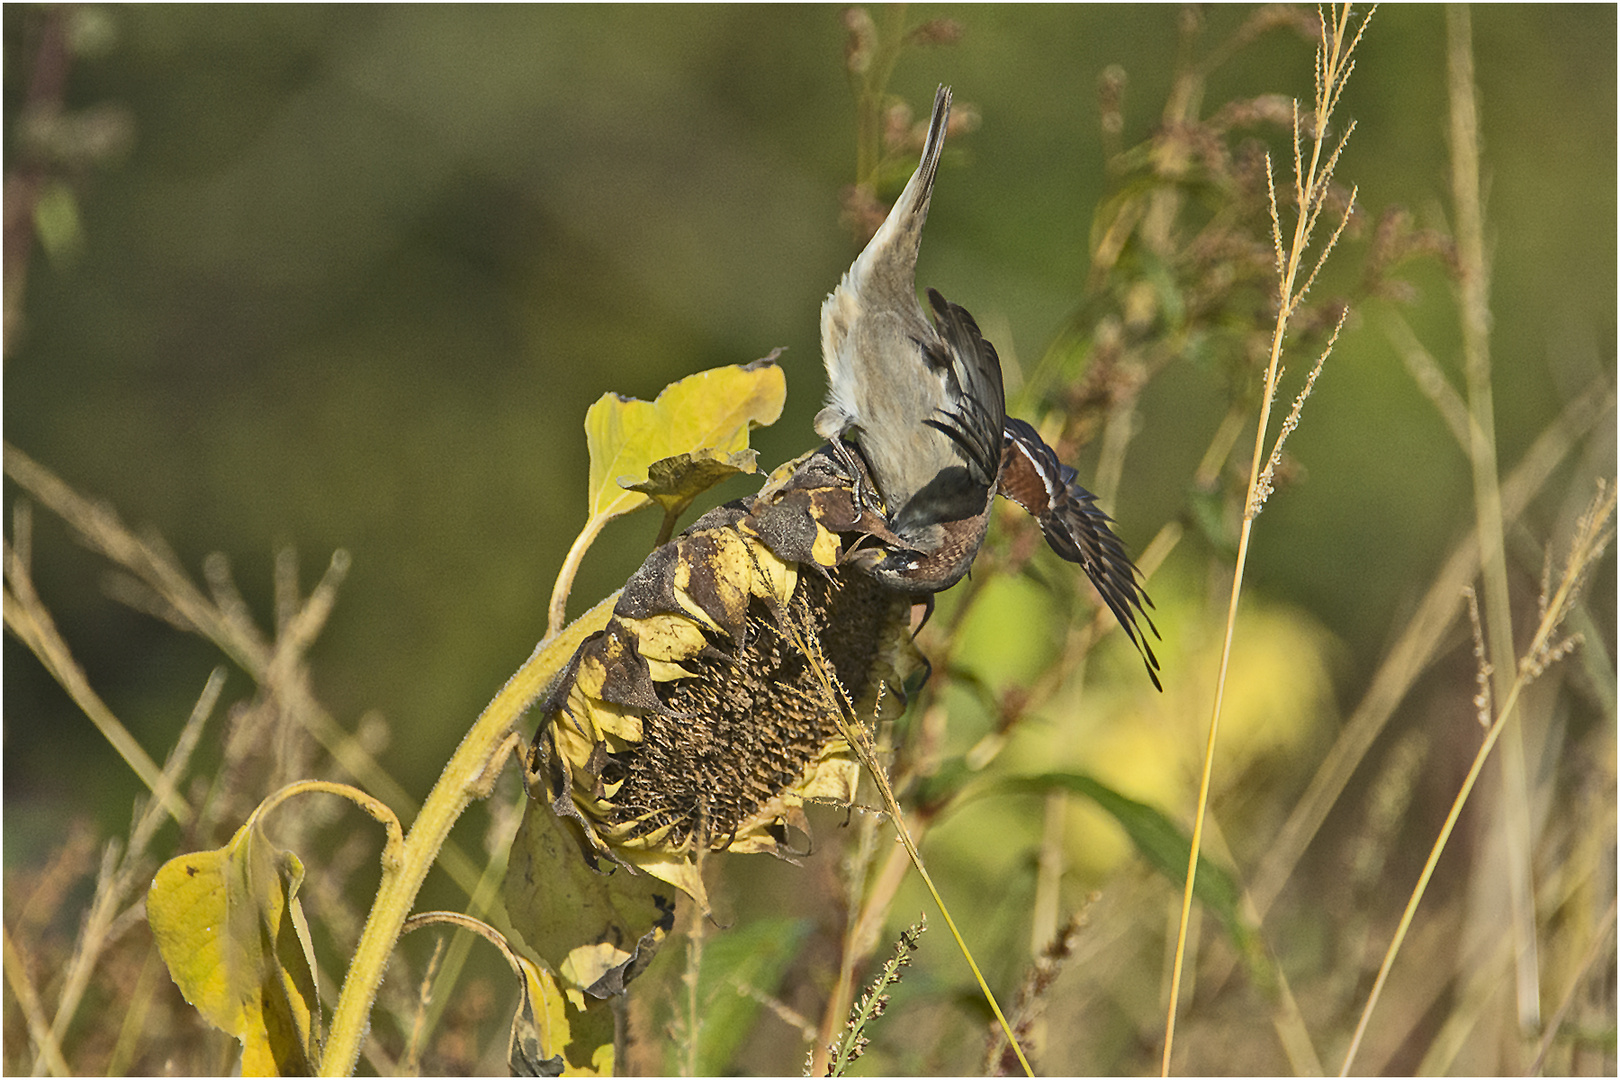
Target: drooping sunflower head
<point>705,714</point>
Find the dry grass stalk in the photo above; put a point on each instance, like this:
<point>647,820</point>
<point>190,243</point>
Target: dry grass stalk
<point>124,873</point>
<point>1474,284</point>
<point>1415,648</point>
<point>27,617</point>
<point>1594,953</point>
<point>1038,978</point>
<point>275,724</point>
<point>39,1030</point>
<point>1591,538</point>
<point>225,621</point>
<point>860,740</point>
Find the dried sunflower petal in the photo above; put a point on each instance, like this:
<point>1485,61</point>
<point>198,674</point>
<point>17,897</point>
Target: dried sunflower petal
<point>695,721</point>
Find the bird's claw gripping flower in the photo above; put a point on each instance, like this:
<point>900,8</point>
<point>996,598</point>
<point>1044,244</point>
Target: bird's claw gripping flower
<point>696,720</point>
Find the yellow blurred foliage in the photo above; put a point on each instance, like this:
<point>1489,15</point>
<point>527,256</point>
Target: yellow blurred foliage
<point>1150,746</point>
<point>1007,637</point>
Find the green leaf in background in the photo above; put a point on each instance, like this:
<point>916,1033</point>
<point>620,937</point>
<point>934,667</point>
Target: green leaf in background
<point>1164,845</point>
<point>708,414</point>
<point>229,927</point>
<point>748,956</point>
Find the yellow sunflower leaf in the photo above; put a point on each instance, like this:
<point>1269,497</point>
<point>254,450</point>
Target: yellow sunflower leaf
<point>675,481</point>
<point>541,1032</point>
<point>229,927</point>
<point>706,417</point>
<point>560,905</point>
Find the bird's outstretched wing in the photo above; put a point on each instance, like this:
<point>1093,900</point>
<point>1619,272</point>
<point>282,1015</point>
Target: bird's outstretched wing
<point>1074,527</point>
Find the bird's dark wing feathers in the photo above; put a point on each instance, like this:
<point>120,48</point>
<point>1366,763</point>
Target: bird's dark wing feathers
<point>1078,531</point>
<point>975,423</point>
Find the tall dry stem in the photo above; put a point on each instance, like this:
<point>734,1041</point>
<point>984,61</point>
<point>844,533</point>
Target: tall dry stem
<point>124,874</point>
<point>1513,805</point>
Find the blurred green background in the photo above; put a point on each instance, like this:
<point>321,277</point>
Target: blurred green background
<point>350,276</point>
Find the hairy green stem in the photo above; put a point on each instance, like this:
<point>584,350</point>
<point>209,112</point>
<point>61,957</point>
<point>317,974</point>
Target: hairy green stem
<point>464,779</point>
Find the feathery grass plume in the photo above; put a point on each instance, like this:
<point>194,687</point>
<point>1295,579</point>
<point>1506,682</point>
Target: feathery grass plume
<point>1593,532</point>
<point>1265,484</point>
<point>1313,178</point>
<point>854,1042</point>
